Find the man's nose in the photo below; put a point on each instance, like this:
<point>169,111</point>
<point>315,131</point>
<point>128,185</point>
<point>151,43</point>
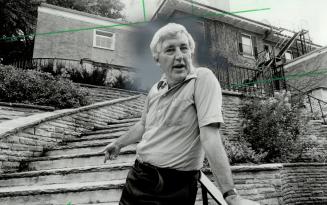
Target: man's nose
<point>178,54</point>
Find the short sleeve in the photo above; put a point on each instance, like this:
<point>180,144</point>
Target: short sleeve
<point>208,98</point>
<point>145,111</point>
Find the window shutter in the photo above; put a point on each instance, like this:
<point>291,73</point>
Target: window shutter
<point>255,48</point>
<point>240,45</point>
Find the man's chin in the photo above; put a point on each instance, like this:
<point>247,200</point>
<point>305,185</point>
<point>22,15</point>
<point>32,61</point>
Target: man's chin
<point>179,78</point>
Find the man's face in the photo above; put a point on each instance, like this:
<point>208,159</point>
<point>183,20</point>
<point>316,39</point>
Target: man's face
<point>175,58</point>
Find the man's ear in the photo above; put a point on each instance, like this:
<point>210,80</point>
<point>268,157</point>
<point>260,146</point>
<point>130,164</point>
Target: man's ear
<point>156,60</point>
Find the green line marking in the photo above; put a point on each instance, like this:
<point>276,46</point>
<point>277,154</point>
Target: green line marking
<point>69,203</point>
<point>15,38</point>
<point>226,13</point>
<point>192,7</point>
<point>143,6</point>
<point>288,77</point>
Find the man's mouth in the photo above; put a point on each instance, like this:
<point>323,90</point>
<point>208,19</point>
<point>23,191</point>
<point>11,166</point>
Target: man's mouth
<point>178,66</point>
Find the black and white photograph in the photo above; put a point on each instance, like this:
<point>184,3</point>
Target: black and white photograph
<point>163,102</point>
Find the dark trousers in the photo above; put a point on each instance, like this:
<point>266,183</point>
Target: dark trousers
<point>150,185</point>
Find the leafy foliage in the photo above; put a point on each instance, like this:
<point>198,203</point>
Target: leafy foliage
<point>276,127</point>
<point>17,18</point>
<point>94,77</point>
<point>78,74</point>
<point>240,151</point>
<point>106,8</point>
<point>123,80</point>
<point>27,86</point>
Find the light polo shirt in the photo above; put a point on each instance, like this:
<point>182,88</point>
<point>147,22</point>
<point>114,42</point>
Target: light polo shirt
<point>173,117</point>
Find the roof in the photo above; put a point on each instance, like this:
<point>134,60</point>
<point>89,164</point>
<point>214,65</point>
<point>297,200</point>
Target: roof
<point>315,61</point>
<point>79,15</point>
<point>305,57</point>
<point>168,7</point>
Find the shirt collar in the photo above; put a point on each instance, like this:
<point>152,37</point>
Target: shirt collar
<point>163,80</point>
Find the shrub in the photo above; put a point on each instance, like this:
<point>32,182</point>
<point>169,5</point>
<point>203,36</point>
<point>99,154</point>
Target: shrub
<point>28,86</point>
<point>240,151</point>
<point>79,74</point>
<point>96,76</point>
<point>276,127</point>
<point>122,80</point>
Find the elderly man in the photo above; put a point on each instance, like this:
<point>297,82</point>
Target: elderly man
<point>180,123</point>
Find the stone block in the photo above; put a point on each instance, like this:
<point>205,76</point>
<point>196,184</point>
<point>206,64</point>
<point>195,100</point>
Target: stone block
<point>42,132</point>
<point>3,157</point>
<point>13,139</point>
<point>4,145</point>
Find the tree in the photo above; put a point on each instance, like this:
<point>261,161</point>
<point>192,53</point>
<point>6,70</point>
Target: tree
<point>17,18</point>
<point>106,8</point>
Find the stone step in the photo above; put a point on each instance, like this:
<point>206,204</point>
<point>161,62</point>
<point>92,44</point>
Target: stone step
<point>84,148</point>
<point>77,160</point>
<point>105,172</point>
<point>124,120</point>
<point>95,137</point>
<point>62,194</point>
<point>106,131</point>
<point>99,140</point>
<point>111,126</point>
<point>102,193</point>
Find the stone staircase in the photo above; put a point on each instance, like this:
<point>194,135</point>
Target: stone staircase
<point>102,93</point>
<point>9,111</point>
<point>72,172</point>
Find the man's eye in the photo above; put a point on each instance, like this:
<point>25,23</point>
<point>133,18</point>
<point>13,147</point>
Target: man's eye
<point>170,50</point>
<point>184,48</point>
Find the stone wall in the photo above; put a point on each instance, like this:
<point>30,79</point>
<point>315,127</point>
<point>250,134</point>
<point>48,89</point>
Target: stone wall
<point>27,137</point>
<point>260,182</point>
<point>318,132</point>
<point>232,102</point>
<point>282,184</point>
<point>304,184</point>
<point>9,111</point>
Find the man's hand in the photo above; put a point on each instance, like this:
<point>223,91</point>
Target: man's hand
<point>238,200</point>
<point>111,151</point>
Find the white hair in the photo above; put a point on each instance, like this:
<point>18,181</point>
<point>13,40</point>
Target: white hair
<point>169,30</point>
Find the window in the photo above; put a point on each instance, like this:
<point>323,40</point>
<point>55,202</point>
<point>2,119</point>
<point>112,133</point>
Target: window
<point>288,55</point>
<point>247,45</point>
<point>104,39</point>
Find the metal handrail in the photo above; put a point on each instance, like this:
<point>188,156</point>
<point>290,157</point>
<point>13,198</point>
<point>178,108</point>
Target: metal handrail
<point>310,102</point>
<point>238,78</point>
<point>208,187</point>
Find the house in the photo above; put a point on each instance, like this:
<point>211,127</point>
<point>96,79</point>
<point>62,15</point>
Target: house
<point>246,55</point>
<point>69,34</point>
<point>239,50</point>
<point>312,69</point>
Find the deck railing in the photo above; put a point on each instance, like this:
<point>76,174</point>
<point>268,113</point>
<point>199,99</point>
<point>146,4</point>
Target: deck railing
<point>58,63</point>
<point>316,106</point>
<point>232,77</point>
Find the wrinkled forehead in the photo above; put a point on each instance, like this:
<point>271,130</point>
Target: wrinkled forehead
<point>179,38</point>
<point>174,39</point>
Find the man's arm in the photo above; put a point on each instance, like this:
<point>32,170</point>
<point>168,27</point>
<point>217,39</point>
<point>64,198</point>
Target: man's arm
<point>219,164</point>
<point>215,152</point>
<point>132,136</point>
